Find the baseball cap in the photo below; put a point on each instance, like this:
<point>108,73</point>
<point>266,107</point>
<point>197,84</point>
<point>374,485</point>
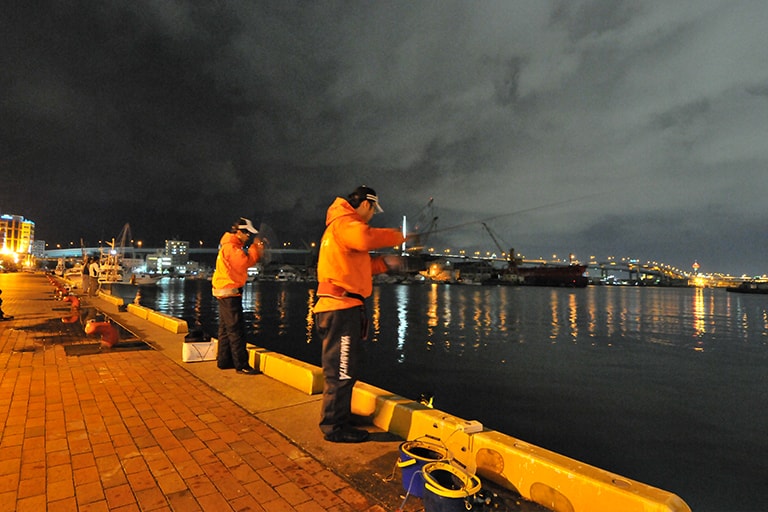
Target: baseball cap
<point>367,193</point>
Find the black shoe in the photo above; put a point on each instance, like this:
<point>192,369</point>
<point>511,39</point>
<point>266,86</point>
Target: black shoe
<point>247,371</point>
<point>347,435</point>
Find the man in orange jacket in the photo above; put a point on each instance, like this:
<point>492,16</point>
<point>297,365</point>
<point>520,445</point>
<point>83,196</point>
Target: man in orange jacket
<point>344,273</point>
<point>229,277</point>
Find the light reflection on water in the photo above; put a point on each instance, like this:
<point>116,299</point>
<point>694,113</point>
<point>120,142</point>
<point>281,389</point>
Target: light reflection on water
<point>662,385</point>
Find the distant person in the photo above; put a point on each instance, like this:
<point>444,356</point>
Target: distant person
<point>229,277</point>
<point>345,272</point>
<point>85,281</point>
<point>3,316</point>
<point>93,276</point>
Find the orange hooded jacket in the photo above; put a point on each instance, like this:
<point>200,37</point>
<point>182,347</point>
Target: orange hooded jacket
<point>232,264</point>
<point>344,261</point>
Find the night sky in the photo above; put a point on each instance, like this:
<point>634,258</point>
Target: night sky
<point>623,128</point>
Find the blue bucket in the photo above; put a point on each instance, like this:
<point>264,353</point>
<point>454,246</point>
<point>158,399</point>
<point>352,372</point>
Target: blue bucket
<point>413,456</point>
<point>448,488</point>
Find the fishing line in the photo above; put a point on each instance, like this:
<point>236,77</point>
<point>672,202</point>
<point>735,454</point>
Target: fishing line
<point>517,212</point>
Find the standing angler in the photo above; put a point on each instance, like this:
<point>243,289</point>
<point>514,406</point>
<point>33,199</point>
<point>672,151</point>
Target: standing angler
<point>345,272</point>
<point>229,277</point>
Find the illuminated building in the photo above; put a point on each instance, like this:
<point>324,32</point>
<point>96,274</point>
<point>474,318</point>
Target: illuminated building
<point>16,234</point>
<point>178,251</point>
<point>175,256</point>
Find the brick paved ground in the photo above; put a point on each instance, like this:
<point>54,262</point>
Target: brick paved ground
<point>129,431</point>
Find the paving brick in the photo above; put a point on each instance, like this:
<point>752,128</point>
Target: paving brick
<point>215,502</point>
<point>89,493</point>
<point>310,506</point>
<point>141,480</point>
<point>261,491</point>
<point>184,501</point>
<point>278,505</point>
<point>31,487</point>
<point>65,505</point>
<point>150,499</point>
<point>96,506</point>
<point>87,475</point>
<point>171,483</point>
<point>60,490</point>
<point>354,498</point>
<point>323,496</point>
<point>119,496</point>
<point>31,504</point>
<point>292,493</point>
<point>201,486</point>
<point>273,476</point>
<point>59,473</point>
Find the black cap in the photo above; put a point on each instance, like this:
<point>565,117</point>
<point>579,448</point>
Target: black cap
<point>363,193</point>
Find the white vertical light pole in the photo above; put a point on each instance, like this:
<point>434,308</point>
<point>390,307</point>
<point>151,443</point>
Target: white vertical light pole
<point>405,233</point>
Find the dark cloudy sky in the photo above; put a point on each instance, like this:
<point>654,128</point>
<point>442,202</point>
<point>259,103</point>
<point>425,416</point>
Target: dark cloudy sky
<point>625,128</point>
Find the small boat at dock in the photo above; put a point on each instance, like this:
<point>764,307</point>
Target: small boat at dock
<point>756,287</point>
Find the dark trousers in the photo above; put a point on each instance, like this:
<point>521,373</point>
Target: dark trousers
<point>231,352</point>
<point>340,332</point>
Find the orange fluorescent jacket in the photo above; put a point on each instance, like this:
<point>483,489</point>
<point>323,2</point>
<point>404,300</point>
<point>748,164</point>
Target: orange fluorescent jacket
<point>232,262</point>
<point>344,260</point>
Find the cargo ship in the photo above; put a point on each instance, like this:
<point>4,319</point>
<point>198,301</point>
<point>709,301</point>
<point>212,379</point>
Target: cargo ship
<point>571,275</point>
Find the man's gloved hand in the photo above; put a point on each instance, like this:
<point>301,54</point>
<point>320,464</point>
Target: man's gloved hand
<point>413,242</point>
<point>394,262</point>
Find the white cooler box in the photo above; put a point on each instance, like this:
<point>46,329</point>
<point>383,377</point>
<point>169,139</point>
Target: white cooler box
<point>193,351</point>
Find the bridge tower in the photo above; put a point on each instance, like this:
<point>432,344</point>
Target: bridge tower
<point>634,271</point>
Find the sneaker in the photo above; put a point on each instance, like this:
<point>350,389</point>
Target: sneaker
<point>247,371</point>
<point>347,435</point>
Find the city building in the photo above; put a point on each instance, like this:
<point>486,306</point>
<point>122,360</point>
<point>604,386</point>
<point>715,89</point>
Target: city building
<point>178,251</point>
<point>17,236</point>
<point>174,259</point>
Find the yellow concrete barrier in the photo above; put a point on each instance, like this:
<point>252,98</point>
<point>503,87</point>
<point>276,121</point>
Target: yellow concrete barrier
<point>298,374</point>
<point>388,411</point>
<point>254,355</point>
<point>116,301</point>
<point>557,482</point>
<point>175,325</point>
<point>139,311</point>
<point>167,322</point>
<point>560,483</point>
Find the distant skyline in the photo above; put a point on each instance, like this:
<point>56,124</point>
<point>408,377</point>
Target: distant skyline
<point>593,127</point>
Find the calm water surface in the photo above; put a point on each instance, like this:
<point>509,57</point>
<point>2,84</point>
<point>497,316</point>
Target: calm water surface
<point>662,385</point>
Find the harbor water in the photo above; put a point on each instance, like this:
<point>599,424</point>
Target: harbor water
<point>662,385</point>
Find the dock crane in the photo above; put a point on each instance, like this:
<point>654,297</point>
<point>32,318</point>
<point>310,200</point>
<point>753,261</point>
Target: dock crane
<point>510,254</point>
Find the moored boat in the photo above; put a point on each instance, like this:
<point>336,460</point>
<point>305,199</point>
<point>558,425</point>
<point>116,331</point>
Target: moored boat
<point>750,287</point>
<point>571,275</point>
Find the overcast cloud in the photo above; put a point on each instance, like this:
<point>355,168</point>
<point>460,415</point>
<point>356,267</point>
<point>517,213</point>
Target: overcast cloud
<point>625,128</point>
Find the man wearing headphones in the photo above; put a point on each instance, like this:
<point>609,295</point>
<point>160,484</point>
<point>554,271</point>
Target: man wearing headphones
<point>345,272</point>
<point>229,277</point>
